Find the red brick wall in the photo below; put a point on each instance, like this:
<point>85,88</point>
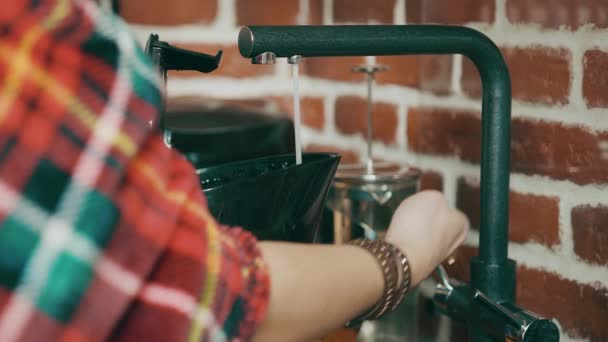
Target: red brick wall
<point>428,115</point>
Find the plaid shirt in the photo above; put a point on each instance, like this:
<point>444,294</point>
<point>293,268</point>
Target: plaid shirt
<point>104,232</point>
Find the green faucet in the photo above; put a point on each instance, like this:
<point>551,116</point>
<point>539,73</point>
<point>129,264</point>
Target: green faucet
<point>487,304</point>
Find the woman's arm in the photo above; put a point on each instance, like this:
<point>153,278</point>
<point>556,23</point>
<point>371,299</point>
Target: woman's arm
<point>317,288</point>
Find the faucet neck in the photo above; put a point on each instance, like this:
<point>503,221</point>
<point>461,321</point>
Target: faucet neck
<point>492,272</point>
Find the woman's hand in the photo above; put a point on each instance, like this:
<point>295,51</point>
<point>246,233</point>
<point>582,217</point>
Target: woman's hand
<point>427,230</point>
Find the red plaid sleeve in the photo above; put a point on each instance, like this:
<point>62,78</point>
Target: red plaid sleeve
<point>104,231</point>
<point>224,303</point>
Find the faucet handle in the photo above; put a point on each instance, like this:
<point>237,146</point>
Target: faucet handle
<point>451,296</point>
<point>521,325</point>
<point>169,57</point>
<point>505,321</point>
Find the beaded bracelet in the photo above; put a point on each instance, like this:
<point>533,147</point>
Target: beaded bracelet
<point>396,273</point>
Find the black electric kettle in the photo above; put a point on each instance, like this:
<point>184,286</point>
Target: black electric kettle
<point>245,185</point>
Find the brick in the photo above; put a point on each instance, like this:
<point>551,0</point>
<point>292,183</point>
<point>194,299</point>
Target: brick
<point>582,310</point>
<point>559,151</point>
<point>537,147</point>
<point>364,11</point>
<point>436,74</point>
<point>590,232</point>
<point>351,118</point>
<point>348,156</point>
<point>444,132</point>
<point>403,70</point>
<point>570,14</point>
<point>538,74</point>
<point>232,64</point>
<point>333,68</point>
<point>267,12</point>
<point>449,11</point>
<point>540,225</point>
<point>430,180</point>
<point>595,78</point>
<point>168,13</point>
<point>311,110</point>
<point>315,15</point>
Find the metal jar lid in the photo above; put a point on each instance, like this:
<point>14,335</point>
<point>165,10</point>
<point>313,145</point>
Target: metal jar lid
<point>382,173</point>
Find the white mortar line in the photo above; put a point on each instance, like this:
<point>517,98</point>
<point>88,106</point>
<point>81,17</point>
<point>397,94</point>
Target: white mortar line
<point>303,13</point>
<point>456,76</point>
<point>592,194</point>
<point>500,15</point>
<point>330,114</point>
<point>399,13</point>
<point>450,184</point>
<point>328,12</point>
<point>401,126</point>
<point>566,236</point>
<point>576,81</point>
<point>229,88</point>
<point>529,35</point>
<point>563,337</point>
<point>195,34</point>
<point>226,15</point>
<point>572,114</point>
<point>264,85</point>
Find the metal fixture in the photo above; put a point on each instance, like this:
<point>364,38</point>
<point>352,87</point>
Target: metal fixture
<point>264,58</point>
<point>492,273</point>
<point>297,59</point>
<point>370,71</point>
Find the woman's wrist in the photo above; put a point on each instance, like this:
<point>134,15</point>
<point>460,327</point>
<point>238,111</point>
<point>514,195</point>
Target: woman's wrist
<point>413,257</point>
<point>396,274</point>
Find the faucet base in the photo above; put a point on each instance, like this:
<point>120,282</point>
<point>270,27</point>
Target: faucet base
<point>495,280</point>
